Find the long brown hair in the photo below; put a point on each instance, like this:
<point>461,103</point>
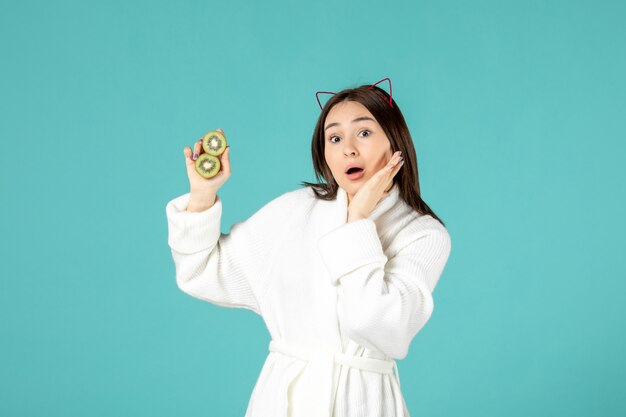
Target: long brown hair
<point>394,126</point>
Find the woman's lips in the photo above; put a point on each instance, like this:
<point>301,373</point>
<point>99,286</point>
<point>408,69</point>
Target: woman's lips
<point>356,175</point>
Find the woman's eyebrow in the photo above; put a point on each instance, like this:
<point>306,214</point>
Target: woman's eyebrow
<point>358,119</point>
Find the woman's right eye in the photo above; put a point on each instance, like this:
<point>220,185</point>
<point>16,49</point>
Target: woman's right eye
<point>331,139</point>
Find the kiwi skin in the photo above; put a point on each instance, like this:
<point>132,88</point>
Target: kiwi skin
<point>214,143</point>
<point>207,165</point>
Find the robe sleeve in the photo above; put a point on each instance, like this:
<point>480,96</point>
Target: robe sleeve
<point>223,269</point>
<point>383,303</point>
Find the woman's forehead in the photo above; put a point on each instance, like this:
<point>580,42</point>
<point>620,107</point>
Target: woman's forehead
<point>346,113</point>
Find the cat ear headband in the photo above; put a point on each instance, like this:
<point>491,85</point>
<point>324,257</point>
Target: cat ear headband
<point>369,88</point>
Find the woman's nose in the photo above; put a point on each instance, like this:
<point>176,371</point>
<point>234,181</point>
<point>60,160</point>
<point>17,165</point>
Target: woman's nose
<point>349,150</point>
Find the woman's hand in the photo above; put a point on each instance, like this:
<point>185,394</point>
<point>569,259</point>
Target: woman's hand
<point>199,184</point>
<point>377,187</point>
<point>203,191</point>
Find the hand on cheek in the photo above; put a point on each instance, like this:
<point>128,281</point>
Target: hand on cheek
<point>374,189</point>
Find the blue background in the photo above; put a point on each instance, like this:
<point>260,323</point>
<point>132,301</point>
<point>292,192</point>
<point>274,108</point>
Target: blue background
<point>517,112</point>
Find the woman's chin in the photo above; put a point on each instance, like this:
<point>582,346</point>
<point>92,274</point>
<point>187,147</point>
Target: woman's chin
<point>351,189</point>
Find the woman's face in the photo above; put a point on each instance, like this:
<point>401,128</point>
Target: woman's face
<point>360,143</point>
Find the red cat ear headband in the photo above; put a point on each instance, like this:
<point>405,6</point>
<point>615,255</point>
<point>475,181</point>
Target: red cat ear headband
<point>369,88</point>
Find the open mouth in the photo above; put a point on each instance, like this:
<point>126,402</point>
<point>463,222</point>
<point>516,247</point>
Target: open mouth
<point>355,174</point>
<point>354,170</point>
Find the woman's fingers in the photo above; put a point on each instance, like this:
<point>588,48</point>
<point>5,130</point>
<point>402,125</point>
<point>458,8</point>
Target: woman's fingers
<point>397,157</point>
<point>225,161</point>
<point>393,173</point>
<point>398,166</point>
<point>392,168</point>
<point>188,152</point>
<point>394,165</point>
<point>393,162</point>
<point>197,147</point>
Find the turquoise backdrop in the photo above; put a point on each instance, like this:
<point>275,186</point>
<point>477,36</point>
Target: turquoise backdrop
<point>517,109</point>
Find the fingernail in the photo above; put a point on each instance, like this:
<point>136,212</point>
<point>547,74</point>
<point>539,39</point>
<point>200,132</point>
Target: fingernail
<point>195,156</point>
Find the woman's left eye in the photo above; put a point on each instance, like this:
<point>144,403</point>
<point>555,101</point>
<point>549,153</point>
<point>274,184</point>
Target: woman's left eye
<point>365,131</point>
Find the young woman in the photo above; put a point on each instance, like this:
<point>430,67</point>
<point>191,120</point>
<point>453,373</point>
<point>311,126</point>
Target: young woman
<point>342,272</point>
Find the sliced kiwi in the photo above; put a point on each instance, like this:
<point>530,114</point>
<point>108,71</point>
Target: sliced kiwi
<point>207,165</point>
<point>214,143</point>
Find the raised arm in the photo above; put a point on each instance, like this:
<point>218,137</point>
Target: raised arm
<point>223,269</point>
<point>383,302</point>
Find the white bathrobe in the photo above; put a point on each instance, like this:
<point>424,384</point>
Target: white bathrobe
<point>341,300</point>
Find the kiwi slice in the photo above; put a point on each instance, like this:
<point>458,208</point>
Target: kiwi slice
<point>207,165</point>
<point>214,143</point>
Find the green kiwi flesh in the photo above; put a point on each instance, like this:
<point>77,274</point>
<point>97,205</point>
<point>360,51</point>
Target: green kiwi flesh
<point>207,165</point>
<point>214,143</point>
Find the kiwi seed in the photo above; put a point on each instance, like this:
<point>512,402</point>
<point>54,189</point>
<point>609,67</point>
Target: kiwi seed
<point>207,165</point>
<point>214,143</point>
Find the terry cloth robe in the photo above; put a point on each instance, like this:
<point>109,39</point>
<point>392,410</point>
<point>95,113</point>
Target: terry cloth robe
<point>341,300</point>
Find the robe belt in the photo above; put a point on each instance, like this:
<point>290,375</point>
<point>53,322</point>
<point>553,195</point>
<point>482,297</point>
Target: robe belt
<point>320,378</point>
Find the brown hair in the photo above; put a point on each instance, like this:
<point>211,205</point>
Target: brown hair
<point>394,126</point>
